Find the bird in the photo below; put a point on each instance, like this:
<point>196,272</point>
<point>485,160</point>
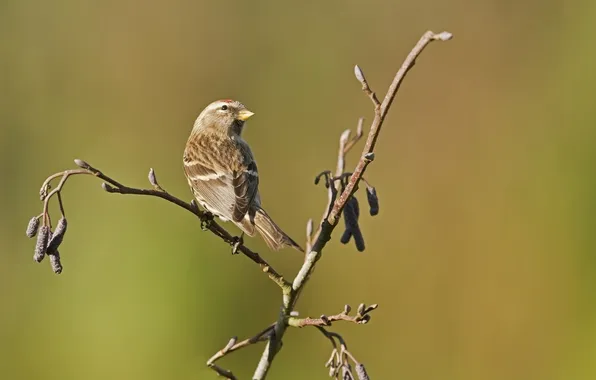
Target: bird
<point>222,172</point>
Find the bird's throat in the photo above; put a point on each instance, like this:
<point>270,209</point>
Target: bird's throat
<point>237,126</point>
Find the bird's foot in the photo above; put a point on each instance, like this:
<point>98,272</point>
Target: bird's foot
<point>237,241</point>
<point>206,220</point>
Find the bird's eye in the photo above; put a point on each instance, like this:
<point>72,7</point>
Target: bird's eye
<point>224,107</point>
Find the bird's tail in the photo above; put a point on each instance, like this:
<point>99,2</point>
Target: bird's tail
<point>271,233</point>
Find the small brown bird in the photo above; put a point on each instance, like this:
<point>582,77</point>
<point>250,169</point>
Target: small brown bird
<point>222,172</point>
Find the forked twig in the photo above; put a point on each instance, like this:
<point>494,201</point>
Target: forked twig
<point>112,186</point>
<point>331,220</point>
<point>232,346</point>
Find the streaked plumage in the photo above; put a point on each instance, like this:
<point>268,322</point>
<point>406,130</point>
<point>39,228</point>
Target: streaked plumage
<point>223,175</point>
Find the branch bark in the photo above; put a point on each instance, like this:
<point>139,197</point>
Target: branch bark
<point>331,220</point>
<point>112,186</point>
<point>232,346</point>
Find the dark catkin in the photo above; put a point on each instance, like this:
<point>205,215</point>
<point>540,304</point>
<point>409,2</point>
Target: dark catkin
<point>373,200</point>
<point>32,227</point>
<point>58,235</point>
<point>42,243</point>
<point>358,238</point>
<point>361,372</point>
<point>346,236</point>
<point>351,213</point>
<point>55,261</point>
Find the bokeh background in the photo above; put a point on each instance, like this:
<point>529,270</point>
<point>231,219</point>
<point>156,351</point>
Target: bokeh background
<point>482,257</point>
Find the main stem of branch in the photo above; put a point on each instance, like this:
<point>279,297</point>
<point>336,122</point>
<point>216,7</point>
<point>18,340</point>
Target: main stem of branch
<point>328,225</point>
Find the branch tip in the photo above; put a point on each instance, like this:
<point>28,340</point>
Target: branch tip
<point>343,138</point>
<point>108,188</point>
<point>360,310</point>
<point>443,36</point>
<point>230,344</point>
<point>82,164</point>
<point>359,74</point>
<point>152,178</point>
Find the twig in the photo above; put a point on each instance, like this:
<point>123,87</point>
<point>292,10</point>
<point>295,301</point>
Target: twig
<point>340,358</point>
<point>112,186</point>
<point>234,346</point>
<point>330,221</point>
<point>350,144</point>
<point>380,114</point>
<point>309,226</point>
<point>362,317</point>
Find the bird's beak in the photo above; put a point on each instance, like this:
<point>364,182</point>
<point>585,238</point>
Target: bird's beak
<point>244,114</point>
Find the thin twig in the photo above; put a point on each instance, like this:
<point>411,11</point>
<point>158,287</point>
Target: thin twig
<point>117,187</point>
<point>380,114</point>
<point>309,226</point>
<point>350,144</point>
<point>331,220</point>
<point>234,346</point>
<point>362,317</point>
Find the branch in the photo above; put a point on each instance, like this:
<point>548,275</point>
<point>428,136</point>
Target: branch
<point>112,186</point>
<point>233,346</point>
<point>330,221</point>
<point>362,317</point>
<point>340,359</point>
<point>380,114</point>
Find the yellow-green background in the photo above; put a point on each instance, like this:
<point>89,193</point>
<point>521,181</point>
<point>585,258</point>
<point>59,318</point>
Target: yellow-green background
<point>482,258</point>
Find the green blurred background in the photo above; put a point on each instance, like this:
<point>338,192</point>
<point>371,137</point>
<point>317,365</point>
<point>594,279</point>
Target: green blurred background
<point>482,257</point>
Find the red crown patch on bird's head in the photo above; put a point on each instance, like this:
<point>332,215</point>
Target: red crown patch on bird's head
<point>226,100</point>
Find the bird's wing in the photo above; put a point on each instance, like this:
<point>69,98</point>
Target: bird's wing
<point>246,183</point>
<point>211,181</point>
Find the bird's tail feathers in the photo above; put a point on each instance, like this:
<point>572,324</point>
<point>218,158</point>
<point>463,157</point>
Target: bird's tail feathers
<point>272,234</point>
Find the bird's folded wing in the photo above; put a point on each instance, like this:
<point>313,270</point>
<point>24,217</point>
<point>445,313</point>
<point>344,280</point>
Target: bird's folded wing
<point>212,185</point>
<point>246,183</point>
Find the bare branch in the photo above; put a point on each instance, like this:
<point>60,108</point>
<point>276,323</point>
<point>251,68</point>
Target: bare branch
<point>331,219</point>
<point>113,186</point>
<point>360,76</point>
<point>350,144</point>
<point>361,317</point>
<point>380,114</point>
<point>309,226</point>
<point>340,358</point>
<point>232,346</point>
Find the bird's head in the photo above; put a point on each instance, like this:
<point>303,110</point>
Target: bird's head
<point>225,116</point>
